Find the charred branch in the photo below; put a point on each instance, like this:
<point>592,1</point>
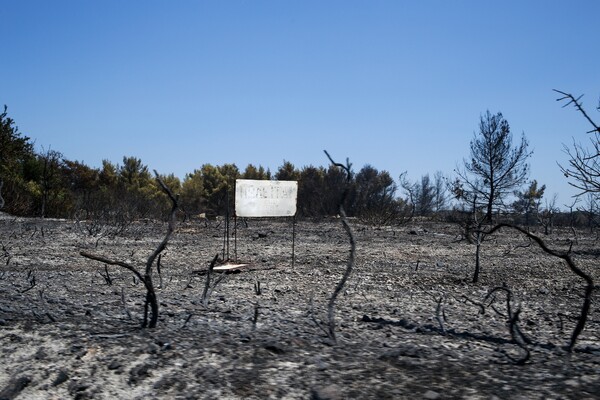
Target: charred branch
<point>566,256</point>
<point>578,105</point>
<point>30,280</point>
<point>151,304</point>
<point>208,287</point>
<point>350,264</point>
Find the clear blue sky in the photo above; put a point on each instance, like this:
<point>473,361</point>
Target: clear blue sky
<point>397,84</point>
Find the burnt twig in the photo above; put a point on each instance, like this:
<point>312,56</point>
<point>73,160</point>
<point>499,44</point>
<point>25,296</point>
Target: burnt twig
<point>208,288</point>
<point>566,256</point>
<point>348,229</point>
<point>151,303</point>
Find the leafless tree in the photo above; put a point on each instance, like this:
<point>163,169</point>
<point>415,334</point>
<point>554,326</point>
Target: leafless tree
<point>566,256</point>
<point>476,235</point>
<point>584,163</point>
<point>546,215</point>
<point>440,192</point>
<point>589,210</point>
<point>146,278</point>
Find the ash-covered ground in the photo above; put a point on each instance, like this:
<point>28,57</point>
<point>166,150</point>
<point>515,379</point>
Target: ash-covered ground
<point>408,322</point>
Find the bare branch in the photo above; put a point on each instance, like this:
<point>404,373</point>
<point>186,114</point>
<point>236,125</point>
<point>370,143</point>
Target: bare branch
<point>566,256</point>
<point>206,292</point>
<point>578,105</point>
<point>350,263</point>
<point>112,262</point>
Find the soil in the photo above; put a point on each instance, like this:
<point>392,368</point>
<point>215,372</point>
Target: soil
<point>408,321</point>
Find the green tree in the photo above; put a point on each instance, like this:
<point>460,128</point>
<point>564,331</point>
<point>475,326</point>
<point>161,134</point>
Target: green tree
<point>108,175</point>
<point>218,183</point>
<point>311,187</point>
<point>16,160</point>
<point>136,190</point>
<point>251,172</point>
<point>287,172</point>
<point>375,194</point>
<point>334,184</point>
<point>161,197</point>
<point>52,189</point>
<point>193,199</point>
<point>134,173</point>
<point>528,201</point>
<point>83,183</point>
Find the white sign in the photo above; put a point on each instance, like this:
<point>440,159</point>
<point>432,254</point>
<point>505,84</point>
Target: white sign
<point>262,198</point>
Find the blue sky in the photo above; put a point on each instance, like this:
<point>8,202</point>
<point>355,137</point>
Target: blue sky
<point>396,84</point>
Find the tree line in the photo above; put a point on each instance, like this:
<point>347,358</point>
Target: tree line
<point>492,181</point>
<point>46,184</point>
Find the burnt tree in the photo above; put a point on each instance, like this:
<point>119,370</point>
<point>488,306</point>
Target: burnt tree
<point>584,164</point>
<point>350,264</point>
<point>151,303</point>
<point>495,167</point>
<point>566,256</point>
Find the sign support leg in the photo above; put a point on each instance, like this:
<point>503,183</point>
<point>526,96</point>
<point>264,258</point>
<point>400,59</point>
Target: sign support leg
<point>293,240</point>
<point>235,237</point>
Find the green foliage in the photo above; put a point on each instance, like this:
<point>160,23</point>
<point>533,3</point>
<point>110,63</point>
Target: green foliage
<point>287,172</point>
<point>311,187</point>
<point>374,197</point>
<point>427,196</point>
<point>192,193</point>
<point>50,185</point>
<point>529,200</point>
<point>251,172</point>
<point>374,191</point>
<point>334,183</point>
<point>16,159</point>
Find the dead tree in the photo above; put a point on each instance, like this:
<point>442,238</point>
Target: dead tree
<point>146,278</point>
<point>473,225</point>
<point>566,256</point>
<point>546,216</point>
<point>350,264</point>
<point>584,164</point>
<point>476,235</point>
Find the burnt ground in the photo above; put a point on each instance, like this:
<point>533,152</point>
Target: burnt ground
<point>66,333</point>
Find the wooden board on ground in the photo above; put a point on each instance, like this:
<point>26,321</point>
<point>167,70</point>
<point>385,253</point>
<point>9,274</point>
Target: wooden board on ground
<point>229,267</point>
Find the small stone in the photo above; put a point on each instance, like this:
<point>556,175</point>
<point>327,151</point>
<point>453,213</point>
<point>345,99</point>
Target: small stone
<point>331,392</point>
<point>572,382</point>
<point>139,373</point>
<point>114,365</point>
<point>14,387</point>
<point>41,354</point>
<point>431,395</point>
<point>60,378</point>
<point>274,347</point>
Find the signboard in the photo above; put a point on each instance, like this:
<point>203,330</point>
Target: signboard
<point>262,198</point>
